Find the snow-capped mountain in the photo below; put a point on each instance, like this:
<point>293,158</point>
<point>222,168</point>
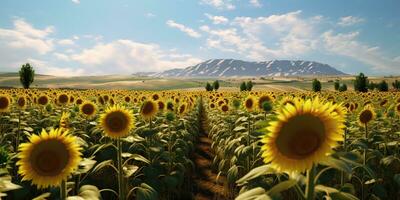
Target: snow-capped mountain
<point>231,67</point>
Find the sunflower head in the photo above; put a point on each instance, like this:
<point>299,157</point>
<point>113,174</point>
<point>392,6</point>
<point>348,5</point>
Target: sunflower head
<point>366,115</point>
<point>48,158</point>
<point>304,134</point>
<point>64,121</point>
<point>4,103</point>
<point>262,99</point>
<point>88,109</point>
<point>183,108</point>
<point>249,103</point>
<point>21,102</point>
<point>117,121</point>
<point>43,100</point>
<point>149,109</point>
<point>224,108</point>
<point>63,99</point>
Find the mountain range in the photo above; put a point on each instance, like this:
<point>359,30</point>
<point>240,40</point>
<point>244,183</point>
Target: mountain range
<point>232,67</point>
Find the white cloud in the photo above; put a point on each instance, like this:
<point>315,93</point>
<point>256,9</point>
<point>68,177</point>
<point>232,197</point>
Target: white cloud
<point>255,3</point>
<point>25,36</point>
<point>66,42</point>
<point>217,19</point>
<point>61,56</point>
<point>127,56</point>
<point>44,67</point>
<point>219,4</point>
<point>150,15</point>
<point>288,35</point>
<point>76,1</point>
<point>346,44</point>
<point>350,20</point>
<point>183,28</point>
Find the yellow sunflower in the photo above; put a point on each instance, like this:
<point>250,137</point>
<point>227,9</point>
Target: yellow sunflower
<point>249,103</point>
<point>4,103</point>
<point>21,102</point>
<point>117,121</point>
<point>304,134</point>
<point>366,115</point>
<point>63,99</point>
<point>88,109</point>
<point>149,109</point>
<point>48,158</point>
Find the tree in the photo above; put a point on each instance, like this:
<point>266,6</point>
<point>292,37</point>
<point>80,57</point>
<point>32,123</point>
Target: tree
<point>343,88</point>
<point>26,75</point>
<point>316,85</point>
<point>336,85</point>
<point>249,86</point>
<point>209,87</point>
<point>361,83</point>
<point>243,86</point>
<point>383,86</point>
<point>396,84</point>
<point>216,85</point>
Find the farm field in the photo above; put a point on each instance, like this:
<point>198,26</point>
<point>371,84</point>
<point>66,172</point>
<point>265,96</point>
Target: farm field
<point>192,144</point>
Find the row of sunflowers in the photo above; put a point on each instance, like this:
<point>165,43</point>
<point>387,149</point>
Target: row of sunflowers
<point>92,144</point>
<point>306,145</point>
<point>95,144</point>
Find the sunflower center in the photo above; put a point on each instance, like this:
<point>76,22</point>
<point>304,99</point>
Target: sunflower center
<point>225,108</point>
<point>87,109</point>
<point>4,102</point>
<point>116,121</point>
<point>148,108</point>
<point>301,136</point>
<point>21,102</point>
<point>249,103</point>
<point>49,158</point>
<point>43,100</point>
<point>63,99</point>
<point>365,116</point>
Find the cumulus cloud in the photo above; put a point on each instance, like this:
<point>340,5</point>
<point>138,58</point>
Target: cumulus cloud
<point>219,4</point>
<point>76,1</point>
<point>350,21</point>
<point>25,36</point>
<point>255,3</point>
<point>346,44</point>
<point>66,42</point>
<point>44,67</point>
<point>190,32</point>
<point>217,19</point>
<point>127,56</point>
<point>295,36</point>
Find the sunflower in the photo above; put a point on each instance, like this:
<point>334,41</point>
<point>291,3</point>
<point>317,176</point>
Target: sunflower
<point>161,105</point>
<point>182,109</point>
<point>88,109</point>
<point>21,102</point>
<point>263,99</point>
<point>48,158</point>
<point>64,121</point>
<point>4,103</point>
<point>224,108</point>
<point>366,115</point>
<point>249,103</point>
<point>117,121</point>
<point>63,99</point>
<point>304,134</point>
<point>149,109</point>
<point>398,108</point>
<point>43,100</point>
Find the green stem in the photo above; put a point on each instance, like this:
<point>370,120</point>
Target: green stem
<point>364,161</point>
<point>63,190</point>
<point>310,183</point>
<point>345,150</point>
<point>121,190</point>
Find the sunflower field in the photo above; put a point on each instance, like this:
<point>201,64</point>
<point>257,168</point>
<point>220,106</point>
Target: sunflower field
<point>120,144</point>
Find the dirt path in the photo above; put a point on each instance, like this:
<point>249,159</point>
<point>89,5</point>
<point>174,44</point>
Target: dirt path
<point>205,185</point>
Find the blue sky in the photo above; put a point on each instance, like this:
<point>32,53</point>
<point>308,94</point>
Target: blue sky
<point>96,37</point>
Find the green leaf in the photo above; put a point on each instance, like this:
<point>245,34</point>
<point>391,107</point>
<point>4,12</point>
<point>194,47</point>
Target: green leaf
<point>146,192</point>
<point>42,196</point>
<point>282,186</point>
<point>257,193</point>
<point>232,174</point>
<point>396,178</point>
<point>129,170</point>
<point>85,165</point>
<point>337,164</point>
<point>254,173</point>
<point>6,184</point>
<point>333,193</point>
